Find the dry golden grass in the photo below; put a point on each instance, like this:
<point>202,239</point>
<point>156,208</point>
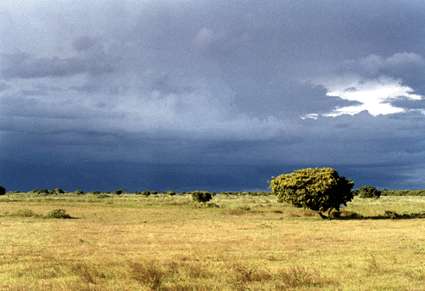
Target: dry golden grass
<point>167,243</point>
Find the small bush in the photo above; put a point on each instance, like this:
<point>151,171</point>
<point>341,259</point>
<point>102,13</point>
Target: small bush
<point>171,193</point>
<point>368,192</point>
<point>201,197</point>
<point>2,190</point>
<point>58,213</point>
<point>119,191</point>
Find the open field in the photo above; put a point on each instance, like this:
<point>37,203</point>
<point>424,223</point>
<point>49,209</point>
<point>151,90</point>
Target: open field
<point>164,242</point>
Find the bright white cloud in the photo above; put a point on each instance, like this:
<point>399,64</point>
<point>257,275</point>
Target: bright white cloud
<point>310,116</point>
<point>374,96</point>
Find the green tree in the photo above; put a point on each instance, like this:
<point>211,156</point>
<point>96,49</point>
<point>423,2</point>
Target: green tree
<point>2,190</point>
<point>319,189</point>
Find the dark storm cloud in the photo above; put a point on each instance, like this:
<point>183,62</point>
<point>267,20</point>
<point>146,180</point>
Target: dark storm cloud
<point>4,86</point>
<point>221,85</point>
<point>84,43</point>
<point>21,65</point>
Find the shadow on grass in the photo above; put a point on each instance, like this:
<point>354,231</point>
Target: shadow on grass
<point>348,215</point>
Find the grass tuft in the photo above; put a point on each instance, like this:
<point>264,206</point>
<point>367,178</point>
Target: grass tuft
<point>243,273</point>
<point>299,277</point>
<point>85,273</point>
<point>148,274</point>
<point>25,213</point>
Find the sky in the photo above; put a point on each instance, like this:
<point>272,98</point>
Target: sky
<point>210,95</point>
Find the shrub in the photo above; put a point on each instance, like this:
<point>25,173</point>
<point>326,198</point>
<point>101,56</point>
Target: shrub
<point>319,189</point>
<point>119,191</point>
<point>58,191</point>
<point>146,193</point>
<point>58,213</point>
<point>79,192</point>
<point>200,196</point>
<point>171,193</point>
<point>2,190</point>
<point>368,192</point>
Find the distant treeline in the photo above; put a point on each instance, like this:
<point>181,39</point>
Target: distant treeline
<point>419,192</point>
<point>57,191</point>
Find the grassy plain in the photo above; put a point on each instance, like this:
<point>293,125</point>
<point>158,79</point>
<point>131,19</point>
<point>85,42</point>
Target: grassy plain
<point>163,242</point>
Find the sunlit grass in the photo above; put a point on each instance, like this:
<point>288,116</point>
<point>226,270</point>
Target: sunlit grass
<point>131,242</point>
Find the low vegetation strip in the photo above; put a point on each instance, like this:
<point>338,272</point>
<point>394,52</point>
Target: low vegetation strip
<point>420,192</point>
